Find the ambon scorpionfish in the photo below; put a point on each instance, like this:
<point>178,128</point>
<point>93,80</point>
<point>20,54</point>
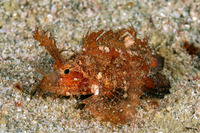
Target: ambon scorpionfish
<point>115,68</point>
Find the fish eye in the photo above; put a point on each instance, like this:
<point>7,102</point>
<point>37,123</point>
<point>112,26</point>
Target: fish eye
<point>66,71</point>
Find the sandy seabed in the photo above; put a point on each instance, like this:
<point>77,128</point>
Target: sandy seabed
<point>167,24</point>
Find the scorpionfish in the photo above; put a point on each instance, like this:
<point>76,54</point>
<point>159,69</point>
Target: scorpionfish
<point>114,68</point>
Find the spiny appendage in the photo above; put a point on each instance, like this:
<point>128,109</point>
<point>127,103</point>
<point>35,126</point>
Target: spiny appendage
<point>118,106</point>
<point>105,38</point>
<point>108,36</point>
<point>47,40</point>
<point>117,40</point>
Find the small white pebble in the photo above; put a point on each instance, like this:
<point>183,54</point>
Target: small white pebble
<point>32,81</point>
<point>168,108</point>
<point>50,17</point>
<point>194,18</point>
<point>19,109</point>
<point>29,68</point>
<point>28,99</point>
<point>34,122</point>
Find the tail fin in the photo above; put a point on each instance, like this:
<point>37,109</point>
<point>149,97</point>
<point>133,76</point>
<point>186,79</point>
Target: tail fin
<point>156,85</point>
<point>157,63</point>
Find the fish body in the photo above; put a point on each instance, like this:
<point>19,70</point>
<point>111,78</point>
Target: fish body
<point>113,67</point>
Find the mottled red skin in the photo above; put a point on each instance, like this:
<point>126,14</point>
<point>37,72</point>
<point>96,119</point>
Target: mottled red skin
<point>114,67</point>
